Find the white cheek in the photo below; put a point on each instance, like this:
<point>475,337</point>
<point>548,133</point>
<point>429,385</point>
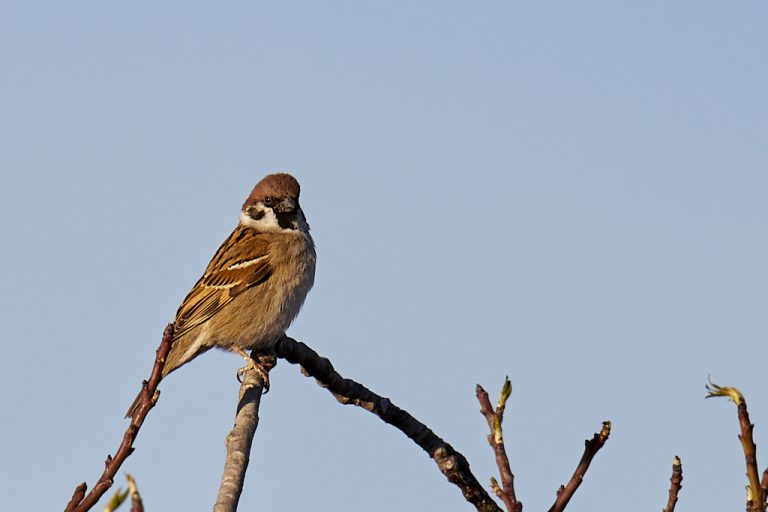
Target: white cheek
<point>267,222</point>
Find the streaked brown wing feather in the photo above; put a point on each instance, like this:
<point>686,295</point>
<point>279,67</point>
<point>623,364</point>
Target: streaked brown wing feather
<point>240,263</point>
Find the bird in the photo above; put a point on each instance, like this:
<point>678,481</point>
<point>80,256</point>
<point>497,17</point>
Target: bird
<point>255,284</point>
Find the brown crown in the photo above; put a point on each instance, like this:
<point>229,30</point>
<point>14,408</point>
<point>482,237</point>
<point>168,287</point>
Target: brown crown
<point>274,185</point>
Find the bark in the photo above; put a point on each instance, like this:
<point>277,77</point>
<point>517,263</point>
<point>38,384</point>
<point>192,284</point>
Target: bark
<point>240,438</point>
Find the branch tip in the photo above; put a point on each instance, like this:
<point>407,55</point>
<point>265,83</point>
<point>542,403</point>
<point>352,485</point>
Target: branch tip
<point>137,505</point>
<point>756,490</point>
<point>494,418</point>
<point>676,483</point>
<point>714,390</point>
<point>506,391</point>
<point>591,447</point>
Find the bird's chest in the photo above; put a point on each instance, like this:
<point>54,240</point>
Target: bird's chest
<point>293,275</point>
<point>265,312</point>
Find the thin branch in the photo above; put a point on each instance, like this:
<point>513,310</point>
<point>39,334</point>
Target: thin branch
<point>755,493</point>
<point>147,399</point>
<point>77,497</point>
<point>764,485</point>
<point>450,462</point>
<point>137,505</point>
<point>591,447</point>
<point>676,483</point>
<point>750,455</point>
<point>506,492</point>
<point>240,437</point>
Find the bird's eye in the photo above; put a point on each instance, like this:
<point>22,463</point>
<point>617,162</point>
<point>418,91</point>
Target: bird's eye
<point>268,201</point>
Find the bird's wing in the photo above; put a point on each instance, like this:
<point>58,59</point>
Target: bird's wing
<point>241,262</point>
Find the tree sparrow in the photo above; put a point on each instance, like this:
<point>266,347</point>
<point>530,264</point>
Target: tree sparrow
<point>256,282</point>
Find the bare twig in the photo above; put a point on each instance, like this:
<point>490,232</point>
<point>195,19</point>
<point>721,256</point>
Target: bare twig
<point>450,462</point>
<point>506,492</point>
<point>755,493</point>
<point>676,483</point>
<point>136,504</point>
<point>764,485</point>
<point>240,437</point>
<point>591,447</point>
<point>77,497</point>
<point>149,395</point>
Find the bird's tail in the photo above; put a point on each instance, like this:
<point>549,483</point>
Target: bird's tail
<point>137,400</point>
<point>167,368</point>
<point>134,405</point>
<point>176,358</point>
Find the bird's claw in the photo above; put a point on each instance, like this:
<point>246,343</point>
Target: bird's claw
<point>264,376</point>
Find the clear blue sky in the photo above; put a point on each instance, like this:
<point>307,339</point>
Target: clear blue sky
<point>571,193</point>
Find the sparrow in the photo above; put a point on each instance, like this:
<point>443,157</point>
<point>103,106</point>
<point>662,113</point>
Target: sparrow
<point>255,284</point>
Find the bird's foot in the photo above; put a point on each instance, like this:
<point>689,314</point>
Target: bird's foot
<point>252,365</point>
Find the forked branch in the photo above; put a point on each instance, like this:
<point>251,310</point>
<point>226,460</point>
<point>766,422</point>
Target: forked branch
<point>494,417</point>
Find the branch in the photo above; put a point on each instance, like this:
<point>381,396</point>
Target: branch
<point>77,497</point>
<point>755,494</point>
<point>136,504</point>
<point>146,400</point>
<point>591,447</point>
<point>450,462</point>
<point>676,483</point>
<point>240,437</point>
<point>494,418</point>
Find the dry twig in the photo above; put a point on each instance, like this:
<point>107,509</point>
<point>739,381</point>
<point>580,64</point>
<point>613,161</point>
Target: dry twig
<point>755,493</point>
<point>450,462</point>
<point>240,437</point>
<point>591,447</point>
<point>676,483</point>
<point>506,492</point>
<point>81,502</point>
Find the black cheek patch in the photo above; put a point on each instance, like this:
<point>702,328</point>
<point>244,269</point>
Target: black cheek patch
<point>286,220</point>
<point>256,214</point>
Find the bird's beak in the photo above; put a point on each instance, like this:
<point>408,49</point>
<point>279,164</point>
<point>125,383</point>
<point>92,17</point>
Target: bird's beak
<point>287,205</point>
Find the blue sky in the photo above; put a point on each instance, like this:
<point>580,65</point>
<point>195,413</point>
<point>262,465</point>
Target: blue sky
<point>573,194</point>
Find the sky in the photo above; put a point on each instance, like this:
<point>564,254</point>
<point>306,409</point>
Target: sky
<point>569,193</point>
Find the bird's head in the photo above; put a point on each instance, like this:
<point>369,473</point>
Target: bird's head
<point>274,205</point>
